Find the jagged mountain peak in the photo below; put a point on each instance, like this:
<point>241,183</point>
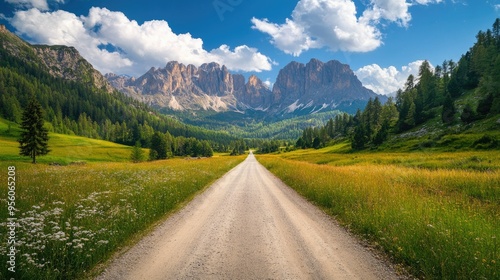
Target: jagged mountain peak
<point>318,86</point>
<point>299,88</point>
<point>180,87</point>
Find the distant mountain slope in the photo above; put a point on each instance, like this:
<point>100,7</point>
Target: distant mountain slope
<point>299,89</point>
<point>454,106</point>
<point>77,99</point>
<point>59,61</point>
<point>318,86</point>
<point>180,87</point>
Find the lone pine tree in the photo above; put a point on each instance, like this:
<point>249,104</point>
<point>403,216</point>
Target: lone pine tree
<point>34,136</point>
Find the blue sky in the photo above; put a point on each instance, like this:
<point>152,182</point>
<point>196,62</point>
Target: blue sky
<point>382,40</point>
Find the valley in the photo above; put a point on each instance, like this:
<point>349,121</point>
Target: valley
<point>213,167</point>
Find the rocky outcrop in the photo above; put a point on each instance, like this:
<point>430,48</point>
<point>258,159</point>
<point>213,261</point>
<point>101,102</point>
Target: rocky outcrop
<point>181,87</point>
<point>318,86</point>
<point>67,63</point>
<point>254,94</point>
<point>60,61</point>
<point>299,88</point>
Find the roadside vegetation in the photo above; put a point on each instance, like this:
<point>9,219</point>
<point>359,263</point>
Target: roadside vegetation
<point>86,200</point>
<point>452,98</point>
<point>436,213</point>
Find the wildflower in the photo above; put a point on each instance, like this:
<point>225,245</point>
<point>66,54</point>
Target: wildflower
<point>102,242</point>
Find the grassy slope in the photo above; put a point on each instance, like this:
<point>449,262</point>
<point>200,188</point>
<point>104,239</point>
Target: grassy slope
<point>434,211</point>
<point>64,148</point>
<point>72,218</point>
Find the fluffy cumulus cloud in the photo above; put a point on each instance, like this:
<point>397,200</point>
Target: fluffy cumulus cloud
<point>391,10</point>
<point>334,24</point>
<point>388,80</point>
<point>114,43</point>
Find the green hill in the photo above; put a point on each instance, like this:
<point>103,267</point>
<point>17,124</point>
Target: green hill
<point>65,149</point>
<point>78,100</point>
<point>455,106</point>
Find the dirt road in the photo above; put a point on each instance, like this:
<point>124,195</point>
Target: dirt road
<point>248,225</point>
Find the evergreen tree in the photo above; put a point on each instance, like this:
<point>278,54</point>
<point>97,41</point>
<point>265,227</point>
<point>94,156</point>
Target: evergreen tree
<point>484,105</point>
<point>358,140</point>
<point>34,137</point>
<point>137,154</point>
<point>409,120</point>
<point>448,112</point>
<point>390,112</point>
<point>382,133</point>
<point>468,114</point>
<point>158,146</point>
<point>238,147</point>
<point>206,150</point>
<point>316,143</point>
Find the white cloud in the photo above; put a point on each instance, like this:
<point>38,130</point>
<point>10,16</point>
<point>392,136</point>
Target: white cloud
<point>388,80</point>
<point>321,23</point>
<point>425,2</point>
<point>242,58</point>
<point>114,43</point>
<point>391,10</point>
<point>39,4</point>
<point>334,24</point>
<point>268,83</point>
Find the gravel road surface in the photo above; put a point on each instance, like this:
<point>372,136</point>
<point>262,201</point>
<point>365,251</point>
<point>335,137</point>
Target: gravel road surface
<point>248,225</point>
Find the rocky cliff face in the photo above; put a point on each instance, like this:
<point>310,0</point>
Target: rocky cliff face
<point>60,61</point>
<point>299,89</point>
<point>67,63</point>
<point>252,95</point>
<point>318,86</point>
<point>181,87</point>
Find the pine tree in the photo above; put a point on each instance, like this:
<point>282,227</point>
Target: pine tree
<point>468,114</point>
<point>358,140</point>
<point>382,134</point>
<point>448,113</point>
<point>137,154</point>
<point>409,120</point>
<point>158,146</point>
<point>34,137</point>
<point>206,150</point>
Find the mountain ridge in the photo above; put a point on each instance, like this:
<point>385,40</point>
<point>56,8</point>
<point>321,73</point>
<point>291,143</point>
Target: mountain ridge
<point>59,61</point>
<point>299,88</point>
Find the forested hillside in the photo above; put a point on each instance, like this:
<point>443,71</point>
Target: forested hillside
<point>453,97</point>
<point>74,107</point>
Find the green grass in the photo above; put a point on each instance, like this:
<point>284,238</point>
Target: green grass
<point>341,155</point>
<point>65,149</point>
<point>73,217</point>
<point>431,212</point>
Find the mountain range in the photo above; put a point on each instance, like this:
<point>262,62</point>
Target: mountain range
<point>299,89</point>
<point>209,95</point>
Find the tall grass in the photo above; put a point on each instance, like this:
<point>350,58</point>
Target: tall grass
<point>443,224</point>
<point>341,155</point>
<point>71,218</point>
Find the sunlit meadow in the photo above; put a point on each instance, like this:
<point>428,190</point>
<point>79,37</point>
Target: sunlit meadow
<point>441,222</point>
<point>72,218</point>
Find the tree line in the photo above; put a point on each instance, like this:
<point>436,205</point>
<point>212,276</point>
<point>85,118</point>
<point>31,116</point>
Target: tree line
<point>76,108</point>
<point>432,93</point>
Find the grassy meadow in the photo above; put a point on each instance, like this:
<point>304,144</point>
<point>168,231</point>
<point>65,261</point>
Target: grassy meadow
<point>73,216</point>
<point>436,213</point>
